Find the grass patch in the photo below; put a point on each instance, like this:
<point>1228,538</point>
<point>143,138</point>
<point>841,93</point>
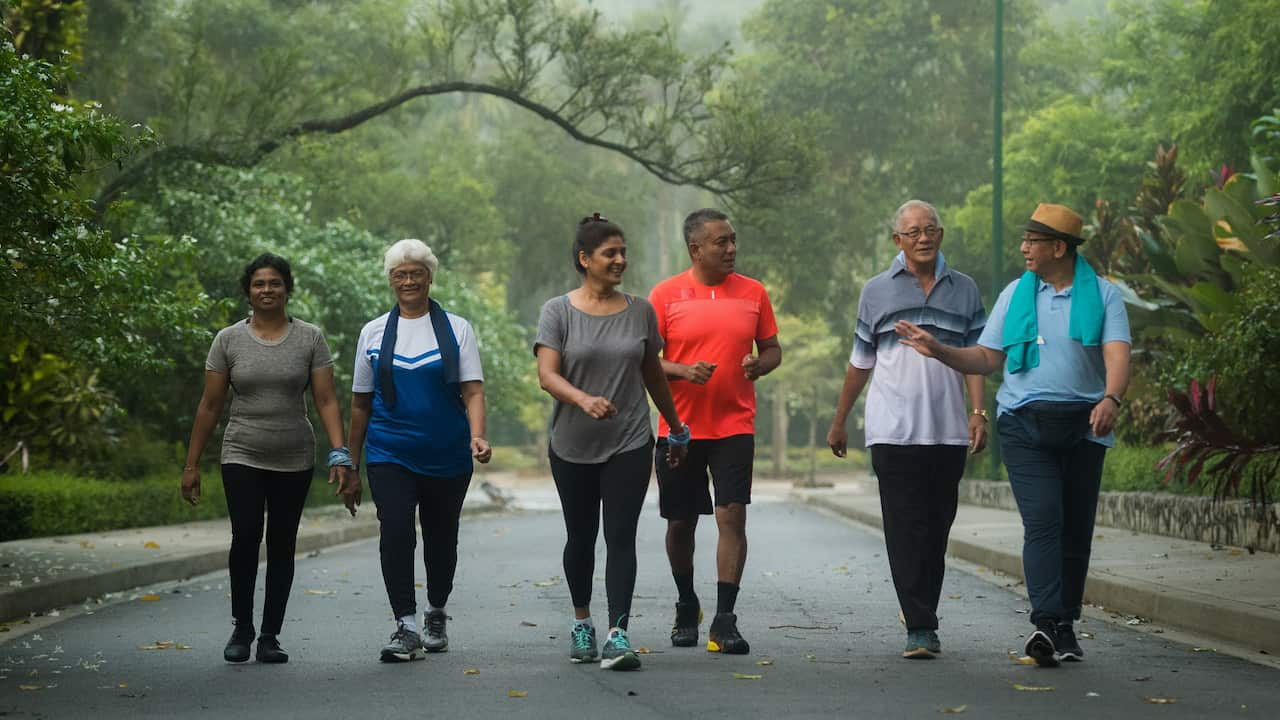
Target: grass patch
<point>50,503</point>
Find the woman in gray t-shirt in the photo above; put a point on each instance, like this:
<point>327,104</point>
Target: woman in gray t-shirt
<point>268,449</point>
<point>597,351</point>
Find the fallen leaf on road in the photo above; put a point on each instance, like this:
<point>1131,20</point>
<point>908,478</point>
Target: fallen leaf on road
<point>1204,649</point>
<point>1160,700</point>
<point>769,573</point>
<point>547,583</point>
<point>744,676</point>
<point>149,597</point>
<point>1087,636</point>
<point>517,693</point>
<point>840,569</point>
<point>1024,660</point>
<point>764,663</point>
<point>526,623</point>
<point>643,651</point>
<point>1034,688</point>
<point>1142,678</point>
<point>151,544</point>
<point>1092,694</point>
<point>30,687</point>
<point>1236,551</point>
<point>158,645</point>
<point>954,710</point>
<point>86,545</point>
<point>471,671</point>
<point>322,592</point>
<point>418,585</point>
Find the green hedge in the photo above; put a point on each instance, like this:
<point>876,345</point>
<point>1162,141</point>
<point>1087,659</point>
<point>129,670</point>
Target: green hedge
<point>48,503</point>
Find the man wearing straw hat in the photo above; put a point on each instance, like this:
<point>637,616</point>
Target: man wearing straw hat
<point>1062,336</point>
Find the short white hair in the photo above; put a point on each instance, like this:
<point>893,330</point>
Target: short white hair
<point>410,250</point>
<point>913,204</point>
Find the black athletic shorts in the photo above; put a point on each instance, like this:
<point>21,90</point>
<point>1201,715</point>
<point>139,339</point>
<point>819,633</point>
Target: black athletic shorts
<point>683,492</point>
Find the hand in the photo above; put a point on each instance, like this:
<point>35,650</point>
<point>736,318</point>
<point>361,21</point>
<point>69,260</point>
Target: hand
<point>838,440</point>
<point>480,449</point>
<point>751,367</point>
<point>914,336</point>
<point>699,373</point>
<point>676,455</point>
<point>349,488</point>
<point>1103,418</point>
<point>598,407</point>
<point>191,485</point>
<point>977,434</point>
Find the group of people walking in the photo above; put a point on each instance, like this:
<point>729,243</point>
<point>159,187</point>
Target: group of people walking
<point>695,346</point>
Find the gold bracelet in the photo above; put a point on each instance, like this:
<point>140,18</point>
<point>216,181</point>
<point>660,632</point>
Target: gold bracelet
<point>980,411</point>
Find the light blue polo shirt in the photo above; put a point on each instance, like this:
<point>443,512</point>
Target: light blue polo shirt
<point>1068,371</point>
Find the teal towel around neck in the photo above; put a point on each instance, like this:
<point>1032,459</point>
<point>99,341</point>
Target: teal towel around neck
<point>1021,329</point>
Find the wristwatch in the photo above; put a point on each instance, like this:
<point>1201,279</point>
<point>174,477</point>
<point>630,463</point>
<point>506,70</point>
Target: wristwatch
<point>980,411</point>
<point>1115,399</point>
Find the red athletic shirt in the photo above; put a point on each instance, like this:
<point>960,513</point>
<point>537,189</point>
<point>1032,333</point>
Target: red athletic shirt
<point>717,324</point>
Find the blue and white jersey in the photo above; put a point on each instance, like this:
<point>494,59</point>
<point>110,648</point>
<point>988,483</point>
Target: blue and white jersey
<point>914,400</point>
<point>427,431</point>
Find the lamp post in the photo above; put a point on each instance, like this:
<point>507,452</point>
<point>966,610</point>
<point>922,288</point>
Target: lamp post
<point>997,195</point>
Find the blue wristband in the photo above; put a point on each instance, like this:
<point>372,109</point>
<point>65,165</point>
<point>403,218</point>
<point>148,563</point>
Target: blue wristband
<point>340,457</point>
<point>680,439</point>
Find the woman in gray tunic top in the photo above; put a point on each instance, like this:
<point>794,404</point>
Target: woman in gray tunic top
<point>597,351</point>
<point>268,449</point>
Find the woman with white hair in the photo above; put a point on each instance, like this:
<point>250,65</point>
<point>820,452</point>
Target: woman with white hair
<point>418,418</point>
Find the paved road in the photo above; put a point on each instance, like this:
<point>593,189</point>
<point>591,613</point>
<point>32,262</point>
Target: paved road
<point>823,579</point>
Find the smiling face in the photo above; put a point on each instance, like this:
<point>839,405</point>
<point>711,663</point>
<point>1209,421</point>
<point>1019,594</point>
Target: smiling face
<point>267,291</point>
<point>714,250</point>
<point>411,282</point>
<point>918,235</point>
<point>1042,253</point>
<point>607,262</point>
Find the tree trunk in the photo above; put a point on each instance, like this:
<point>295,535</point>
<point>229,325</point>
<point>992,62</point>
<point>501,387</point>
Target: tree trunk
<point>780,420</point>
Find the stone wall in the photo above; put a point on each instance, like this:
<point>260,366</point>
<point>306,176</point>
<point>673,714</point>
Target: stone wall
<point>1230,522</point>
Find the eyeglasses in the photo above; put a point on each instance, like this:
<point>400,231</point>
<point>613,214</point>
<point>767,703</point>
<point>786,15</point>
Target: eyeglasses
<point>1036,239</point>
<point>914,234</point>
<point>593,217</point>
<point>401,276</point>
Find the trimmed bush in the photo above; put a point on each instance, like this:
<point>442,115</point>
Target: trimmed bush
<point>42,504</point>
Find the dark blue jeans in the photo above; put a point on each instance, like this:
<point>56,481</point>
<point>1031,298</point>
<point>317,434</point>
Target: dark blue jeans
<point>1055,472</point>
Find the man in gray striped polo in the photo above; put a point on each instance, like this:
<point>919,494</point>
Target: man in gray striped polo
<point>918,426</point>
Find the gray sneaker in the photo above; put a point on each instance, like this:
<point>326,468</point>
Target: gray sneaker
<point>919,645</point>
<point>405,646</point>
<point>582,644</point>
<point>617,653</point>
<point>437,640</point>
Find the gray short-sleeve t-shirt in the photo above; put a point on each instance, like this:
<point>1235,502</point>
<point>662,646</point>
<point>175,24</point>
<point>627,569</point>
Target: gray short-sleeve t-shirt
<point>600,355</point>
<point>268,427</point>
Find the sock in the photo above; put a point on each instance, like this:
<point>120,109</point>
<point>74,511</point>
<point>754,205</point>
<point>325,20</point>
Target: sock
<point>433,608</point>
<point>582,622</point>
<point>409,622</point>
<point>726,596</point>
<point>684,585</point>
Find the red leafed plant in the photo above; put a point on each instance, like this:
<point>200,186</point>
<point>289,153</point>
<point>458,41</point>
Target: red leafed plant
<point>1204,443</point>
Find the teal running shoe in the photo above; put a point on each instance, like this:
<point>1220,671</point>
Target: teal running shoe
<point>582,643</point>
<point>617,653</point>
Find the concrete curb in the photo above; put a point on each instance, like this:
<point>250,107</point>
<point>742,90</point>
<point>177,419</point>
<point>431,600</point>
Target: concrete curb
<point>52,594</point>
<point>1218,617</point>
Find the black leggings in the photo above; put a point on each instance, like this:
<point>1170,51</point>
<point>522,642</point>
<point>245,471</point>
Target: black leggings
<point>249,492</point>
<point>398,492</point>
<point>619,484</point>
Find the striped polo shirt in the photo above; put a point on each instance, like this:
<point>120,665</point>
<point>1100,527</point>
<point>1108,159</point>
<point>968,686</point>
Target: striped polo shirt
<point>914,400</point>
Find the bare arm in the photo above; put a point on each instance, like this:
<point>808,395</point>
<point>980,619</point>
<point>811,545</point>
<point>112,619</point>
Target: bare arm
<point>1116,356</point>
<point>698,373</point>
<point>473,399</point>
<point>767,358</point>
<point>655,381</point>
<point>207,414</point>
<point>325,394</point>
<point>978,423</point>
<point>974,360</point>
<point>550,379</point>
<point>361,410</point>
<point>855,379</point>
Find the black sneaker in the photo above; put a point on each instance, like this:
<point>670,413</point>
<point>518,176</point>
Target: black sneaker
<point>437,640</point>
<point>269,650</point>
<point>723,636</point>
<point>684,633</point>
<point>1040,645</point>
<point>237,650</point>
<point>1068,648</point>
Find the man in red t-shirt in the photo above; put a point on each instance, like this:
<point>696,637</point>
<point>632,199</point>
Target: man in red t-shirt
<point>712,319</point>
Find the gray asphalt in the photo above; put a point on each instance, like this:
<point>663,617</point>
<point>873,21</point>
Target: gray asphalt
<point>816,604</point>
